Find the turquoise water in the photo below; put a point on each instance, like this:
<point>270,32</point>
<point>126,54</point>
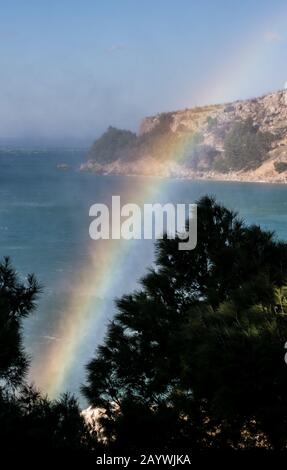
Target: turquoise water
<point>44,225</point>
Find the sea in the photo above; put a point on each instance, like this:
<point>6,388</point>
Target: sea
<point>44,229</point>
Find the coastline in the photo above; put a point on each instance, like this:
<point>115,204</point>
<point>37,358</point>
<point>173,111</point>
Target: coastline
<point>183,174</point>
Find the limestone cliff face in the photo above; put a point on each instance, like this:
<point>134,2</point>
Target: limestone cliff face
<point>267,113</point>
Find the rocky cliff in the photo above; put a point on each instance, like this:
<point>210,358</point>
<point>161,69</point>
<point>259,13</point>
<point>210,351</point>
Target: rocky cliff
<point>244,140</point>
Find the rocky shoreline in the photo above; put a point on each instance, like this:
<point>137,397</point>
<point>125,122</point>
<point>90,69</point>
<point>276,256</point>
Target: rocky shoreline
<point>179,172</point>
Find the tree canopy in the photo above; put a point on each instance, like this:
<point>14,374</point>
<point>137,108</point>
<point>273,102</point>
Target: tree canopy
<point>192,359</point>
<point>113,144</point>
<point>29,419</point>
<point>17,301</point>
<point>196,356</point>
<point>245,146</point>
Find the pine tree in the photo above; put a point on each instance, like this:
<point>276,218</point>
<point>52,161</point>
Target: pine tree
<point>196,355</point>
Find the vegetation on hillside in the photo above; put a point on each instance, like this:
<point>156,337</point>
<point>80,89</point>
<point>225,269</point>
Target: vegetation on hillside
<point>280,167</point>
<point>244,145</point>
<point>113,144</point>
<point>121,144</point>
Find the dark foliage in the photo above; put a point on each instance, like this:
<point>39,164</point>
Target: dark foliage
<point>29,420</point>
<point>245,146</point>
<point>196,357</point>
<point>17,301</point>
<point>120,144</point>
<point>113,144</point>
<point>280,167</point>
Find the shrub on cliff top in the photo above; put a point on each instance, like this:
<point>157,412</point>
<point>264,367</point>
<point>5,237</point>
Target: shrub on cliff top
<point>245,146</point>
<point>112,145</point>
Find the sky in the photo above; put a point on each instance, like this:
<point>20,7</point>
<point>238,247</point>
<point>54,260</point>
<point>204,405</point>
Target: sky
<point>70,68</point>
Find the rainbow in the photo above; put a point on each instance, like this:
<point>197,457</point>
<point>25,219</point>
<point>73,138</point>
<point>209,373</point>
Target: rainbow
<point>54,363</point>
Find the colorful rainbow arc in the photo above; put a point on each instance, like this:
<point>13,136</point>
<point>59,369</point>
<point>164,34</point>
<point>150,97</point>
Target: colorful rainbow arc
<point>53,365</point>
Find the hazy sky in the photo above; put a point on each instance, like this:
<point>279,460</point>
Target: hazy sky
<point>69,68</point>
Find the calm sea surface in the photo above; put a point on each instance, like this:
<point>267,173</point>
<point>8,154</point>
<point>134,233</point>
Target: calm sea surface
<point>44,225</point>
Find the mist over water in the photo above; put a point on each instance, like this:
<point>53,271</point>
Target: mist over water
<point>44,228</point>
